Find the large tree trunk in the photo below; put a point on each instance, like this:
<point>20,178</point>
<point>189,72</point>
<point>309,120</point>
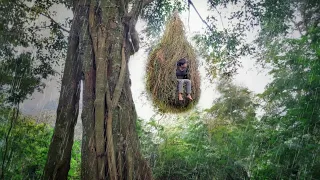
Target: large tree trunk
<point>59,155</point>
<point>102,38</point>
<point>110,147</point>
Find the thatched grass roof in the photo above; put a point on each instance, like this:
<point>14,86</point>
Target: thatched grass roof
<point>161,79</point>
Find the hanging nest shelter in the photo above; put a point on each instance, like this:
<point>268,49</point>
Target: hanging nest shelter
<point>161,81</point>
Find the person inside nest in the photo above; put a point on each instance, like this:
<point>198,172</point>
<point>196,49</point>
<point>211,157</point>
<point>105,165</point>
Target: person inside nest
<point>183,77</point>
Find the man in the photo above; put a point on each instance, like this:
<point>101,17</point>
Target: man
<point>183,78</point>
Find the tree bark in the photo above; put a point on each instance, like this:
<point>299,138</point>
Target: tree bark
<point>88,150</point>
<point>112,136</point>
<point>59,155</point>
<point>102,38</point>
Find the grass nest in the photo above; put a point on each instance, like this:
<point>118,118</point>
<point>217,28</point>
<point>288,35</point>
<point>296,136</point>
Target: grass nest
<point>161,81</point>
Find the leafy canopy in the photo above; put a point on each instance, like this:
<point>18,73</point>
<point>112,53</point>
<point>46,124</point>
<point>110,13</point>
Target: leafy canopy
<point>29,47</point>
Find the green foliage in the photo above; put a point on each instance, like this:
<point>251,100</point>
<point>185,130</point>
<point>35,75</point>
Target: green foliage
<point>215,144</point>
<point>185,152</point>
<point>28,47</point>
<point>193,151</point>
<point>148,133</point>
<point>159,12</point>
<point>21,76</point>
<point>75,163</point>
<point>27,147</point>
<point>224,142</point>
<point>291,132</point>
<point>223,46</point>
<point>272,19</point>
<point>228,142</point>
<point>235,104</point>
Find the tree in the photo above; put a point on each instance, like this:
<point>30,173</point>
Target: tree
<point>235,104</point>
<point>290,124</point>
<point>191,149</point>
<point>26,57</point>
<point>290,131</point>
<point>26,54</point>
<point>102,37</point>
<point>101,40</point>
<point>27,147</point>
<point>232,124</point>
<point>215,143</point>
<point>271,19</point>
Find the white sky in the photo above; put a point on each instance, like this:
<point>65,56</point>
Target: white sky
<point>248,76</point>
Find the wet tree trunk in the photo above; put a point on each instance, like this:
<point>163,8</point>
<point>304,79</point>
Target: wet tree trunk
<point>102,41</point>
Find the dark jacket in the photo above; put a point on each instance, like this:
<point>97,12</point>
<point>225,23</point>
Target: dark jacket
<point>184,74</point>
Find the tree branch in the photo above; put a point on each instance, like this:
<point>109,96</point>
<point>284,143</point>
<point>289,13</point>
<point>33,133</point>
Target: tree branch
<point>214,6</point>
<point>119,85</point>
<point>130,20</point>
<point>135,11</point>
<point>220,16</point>
<point>297,26</point>
<point>190,2</point>
<point>55,22</point>
<point>14,119</point>
<point>43,14</point>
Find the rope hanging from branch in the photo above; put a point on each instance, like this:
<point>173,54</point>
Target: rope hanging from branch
<point>191,3</point>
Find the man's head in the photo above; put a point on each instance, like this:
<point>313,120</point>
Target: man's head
<point>183,63</point>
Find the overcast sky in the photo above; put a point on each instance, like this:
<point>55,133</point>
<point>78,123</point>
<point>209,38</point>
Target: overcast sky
<point>250,76</point>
